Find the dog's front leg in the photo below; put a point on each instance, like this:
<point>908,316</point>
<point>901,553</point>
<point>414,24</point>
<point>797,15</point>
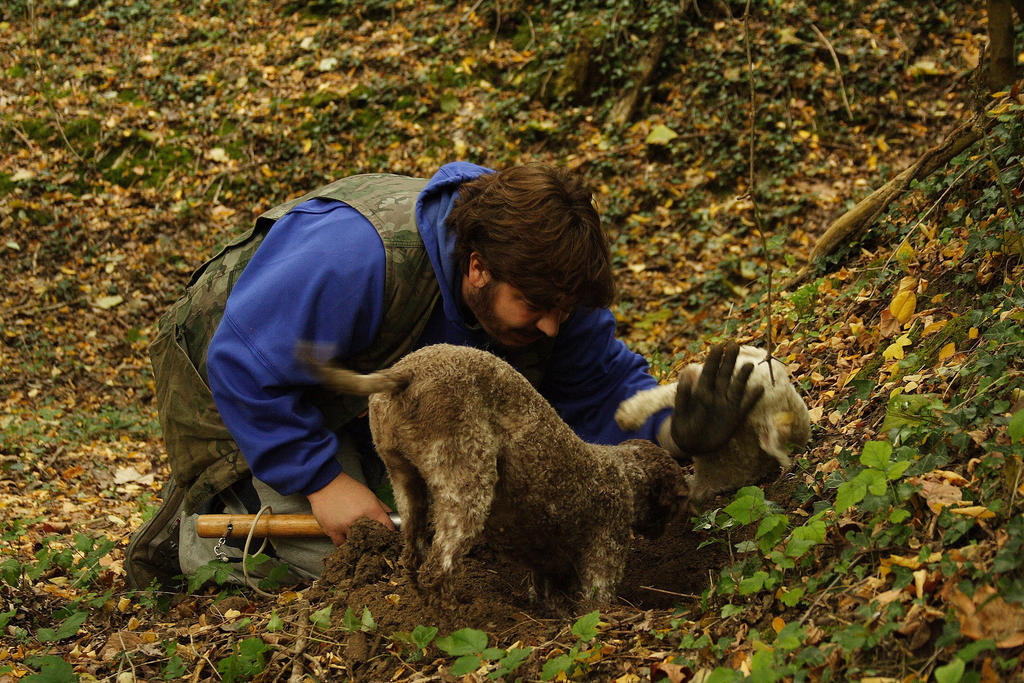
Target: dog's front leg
<point>600,566</point>
<point>461,484</point>
<point>413,501</point>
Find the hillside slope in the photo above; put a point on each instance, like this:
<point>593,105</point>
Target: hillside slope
<point>136,137</point>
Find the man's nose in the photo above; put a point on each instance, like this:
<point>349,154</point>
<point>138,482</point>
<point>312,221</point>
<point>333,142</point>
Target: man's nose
<point>549,322</point>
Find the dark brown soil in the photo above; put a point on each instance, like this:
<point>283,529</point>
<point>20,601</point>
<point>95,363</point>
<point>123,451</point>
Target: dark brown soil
<point>493,591</point>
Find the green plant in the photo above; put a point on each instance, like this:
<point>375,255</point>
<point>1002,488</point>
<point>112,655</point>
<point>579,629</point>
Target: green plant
<point>414,643</point>
<point>470,647</point>
<point>246,660</point>
<point>574,661</point>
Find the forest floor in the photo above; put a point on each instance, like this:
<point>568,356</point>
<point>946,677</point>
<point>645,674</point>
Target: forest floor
<point>137,137</point>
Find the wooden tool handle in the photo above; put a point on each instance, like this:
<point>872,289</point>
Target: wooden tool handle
<point>216,526</point>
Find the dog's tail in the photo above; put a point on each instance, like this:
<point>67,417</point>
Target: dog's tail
<point>346,381</point>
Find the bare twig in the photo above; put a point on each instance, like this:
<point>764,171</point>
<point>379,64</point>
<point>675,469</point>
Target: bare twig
<point>752,189</point>
<point>689,596</point>
<point>839,70</point>
<point>300,645</point>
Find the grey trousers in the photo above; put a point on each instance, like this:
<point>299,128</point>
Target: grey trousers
<point>304,556</point>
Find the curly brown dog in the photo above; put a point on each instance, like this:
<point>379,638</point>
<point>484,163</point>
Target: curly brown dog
<point>472,448</point>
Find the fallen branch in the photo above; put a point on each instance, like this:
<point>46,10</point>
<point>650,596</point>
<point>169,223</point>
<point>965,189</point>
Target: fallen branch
<point>860,217</point>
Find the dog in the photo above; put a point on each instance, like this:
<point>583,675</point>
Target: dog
<point>472,449</point>
<point>778,422</point>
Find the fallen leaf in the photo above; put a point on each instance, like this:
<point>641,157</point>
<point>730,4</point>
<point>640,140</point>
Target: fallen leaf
<point>889,325</point>
<point>923,67</point>
<point>987,616</point>
<point>936,492</point>
<point>108,302</point>
<point>946,352</point>
<point>976,511</point>
<point>895,350</point>
<point>220,212</point>
<point>661,135</point>
<point>676,673</point>
<point>217,154</point>
<point>903,305</point>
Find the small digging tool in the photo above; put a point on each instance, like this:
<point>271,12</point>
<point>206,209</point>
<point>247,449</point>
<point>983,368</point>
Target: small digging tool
<point>269,525</point>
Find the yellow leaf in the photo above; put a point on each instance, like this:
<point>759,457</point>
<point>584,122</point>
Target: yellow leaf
<point>895,350</point>
<point>661,135</point>
<point>909,283</point>
<point>972,333</point>
<point>903,305</point>
<point>778,624</point>
<point>947,351</point>
<point>932,328</point>
<point>905,252</point>
<point>976,511</point>
<point>217,154</point>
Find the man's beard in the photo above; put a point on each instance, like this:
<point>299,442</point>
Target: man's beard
<point>481,303</point>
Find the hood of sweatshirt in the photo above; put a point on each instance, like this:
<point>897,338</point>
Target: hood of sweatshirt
<point>432,208</point>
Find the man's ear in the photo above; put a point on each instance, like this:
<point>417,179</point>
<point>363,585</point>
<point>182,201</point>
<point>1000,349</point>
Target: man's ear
<point>478,274</point>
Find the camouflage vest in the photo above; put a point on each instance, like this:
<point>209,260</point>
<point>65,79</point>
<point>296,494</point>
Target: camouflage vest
<point>204,458</point>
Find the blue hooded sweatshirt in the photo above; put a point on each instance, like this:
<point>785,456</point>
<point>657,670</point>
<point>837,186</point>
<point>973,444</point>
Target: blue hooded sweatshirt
<point>319,275</point>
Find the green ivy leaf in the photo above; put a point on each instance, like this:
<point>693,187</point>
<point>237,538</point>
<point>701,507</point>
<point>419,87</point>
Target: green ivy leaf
<point>849,494</point>
<point>747,506</point>
<point>52,670</point>
<point>791,597</point>
<point>555,666</point>
<point>465,641</point>
<point>276,623</point>
<point>771,530</point>
<point>585,627</point>
<point>322,618</point>
<point>791,636</point>
<point>876,454</point>
<point>68,628</point>
<point>875,480</point>
<point>349,621</point>
<point>1016,426</point>
<point>731,610</point>
<point>465,664</point>
<point>950,673</point>
<point>422,635</point>
<point>753,583</point>
<point>898,515</point>
<point>805,537</point>
<point>896,469</point>
<point>511,661</point>
<point>368,624</point>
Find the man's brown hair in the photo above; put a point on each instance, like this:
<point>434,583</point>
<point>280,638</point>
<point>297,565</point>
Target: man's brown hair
<point>536,229</point>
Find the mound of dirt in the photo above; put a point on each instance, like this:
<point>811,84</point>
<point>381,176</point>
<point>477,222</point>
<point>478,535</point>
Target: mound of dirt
<point>495,593</point>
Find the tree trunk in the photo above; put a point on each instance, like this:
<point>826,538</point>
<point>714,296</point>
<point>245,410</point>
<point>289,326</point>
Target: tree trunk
<point>623,110</point>
<point>1001,69</point>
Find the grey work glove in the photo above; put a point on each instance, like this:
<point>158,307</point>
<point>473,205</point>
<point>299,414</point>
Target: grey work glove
<point>708,413</point>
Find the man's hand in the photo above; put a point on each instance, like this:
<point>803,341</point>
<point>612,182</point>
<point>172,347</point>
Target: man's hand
<point>708,413</point>
<point>343,501</point>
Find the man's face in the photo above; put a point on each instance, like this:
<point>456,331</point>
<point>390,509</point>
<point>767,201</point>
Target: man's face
<point>504,313</point>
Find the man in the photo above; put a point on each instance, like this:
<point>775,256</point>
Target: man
<point>373,267</point>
